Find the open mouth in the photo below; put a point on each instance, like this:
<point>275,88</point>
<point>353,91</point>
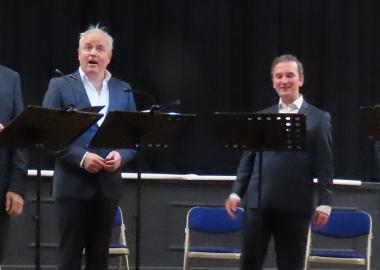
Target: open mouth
<point>92,62</point>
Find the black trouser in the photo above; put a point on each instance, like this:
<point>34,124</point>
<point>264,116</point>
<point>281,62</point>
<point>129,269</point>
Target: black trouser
<point>289,232</point>
<point>85,223</point>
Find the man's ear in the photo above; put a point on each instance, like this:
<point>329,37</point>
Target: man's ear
<point>302,79</point>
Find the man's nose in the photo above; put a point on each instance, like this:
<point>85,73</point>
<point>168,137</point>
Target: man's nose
<point>284,80</point>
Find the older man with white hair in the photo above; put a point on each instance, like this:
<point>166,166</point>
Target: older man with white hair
<point>87,182</point>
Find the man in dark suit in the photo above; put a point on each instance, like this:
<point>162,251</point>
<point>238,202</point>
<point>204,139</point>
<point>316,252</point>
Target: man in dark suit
<point>13,162</point>
<point>283,206</point>
<point>87,182</point>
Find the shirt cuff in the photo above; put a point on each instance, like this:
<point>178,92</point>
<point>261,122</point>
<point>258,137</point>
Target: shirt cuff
<point>324,209</point>
<point>82,161</point>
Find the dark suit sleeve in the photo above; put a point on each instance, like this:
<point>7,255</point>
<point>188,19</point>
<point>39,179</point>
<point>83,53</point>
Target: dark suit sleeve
<point>53,99</point>
<point>19,156</point>
<point>244,173</point>
<point>323,159</point>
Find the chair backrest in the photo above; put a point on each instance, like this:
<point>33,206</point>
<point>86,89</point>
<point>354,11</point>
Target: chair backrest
<point>118,218</point>
<point>346,224</point>
<point>119,247</point>
<point>214,220</point>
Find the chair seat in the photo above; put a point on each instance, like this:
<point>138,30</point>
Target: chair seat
<point>215,249</point>
<point>117,245</point>
<point>337,257</point>
<point>212,255</point>
<point>335,260</point>
<point>118,249</point>
<point>214,252</point>
<point>337,254</point>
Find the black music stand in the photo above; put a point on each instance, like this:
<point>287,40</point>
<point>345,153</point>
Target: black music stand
<point>137,130</point>
<point>42,128</point>
<point>261,132</point>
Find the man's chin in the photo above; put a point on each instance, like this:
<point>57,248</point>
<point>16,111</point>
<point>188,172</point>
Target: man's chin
<point>93,66</point>
<point>91,70</point>
<point>284,95</point>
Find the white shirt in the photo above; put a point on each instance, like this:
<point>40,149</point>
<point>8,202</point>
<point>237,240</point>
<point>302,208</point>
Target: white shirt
<point>97,99</point>
<point>293,107</point>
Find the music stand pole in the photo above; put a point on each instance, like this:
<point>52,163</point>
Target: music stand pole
<point>138,206</point>
<point>37,260</point>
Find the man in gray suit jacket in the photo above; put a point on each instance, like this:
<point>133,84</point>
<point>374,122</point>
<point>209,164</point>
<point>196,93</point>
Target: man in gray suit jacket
<point>13,162</point>
<point>87,182</point>
<point>283,206</point>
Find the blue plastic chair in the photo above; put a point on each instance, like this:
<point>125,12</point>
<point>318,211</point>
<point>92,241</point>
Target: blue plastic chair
<point>211,220</point>
<point>342,224</point>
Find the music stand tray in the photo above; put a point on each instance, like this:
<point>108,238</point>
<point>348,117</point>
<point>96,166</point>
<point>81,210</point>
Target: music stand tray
<point>38,127</point>
<point>124,129</point>
<point>261,132</point>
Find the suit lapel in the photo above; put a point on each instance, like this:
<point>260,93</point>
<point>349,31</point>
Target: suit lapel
<point>112,95</point>
<point>81,97</point>
<point>273,109</point>
<point>304,108</point>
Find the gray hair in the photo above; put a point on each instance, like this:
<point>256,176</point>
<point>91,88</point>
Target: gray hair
<point>96,29</point>
<point>287,58</point>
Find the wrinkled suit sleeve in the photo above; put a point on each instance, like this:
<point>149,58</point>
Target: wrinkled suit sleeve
<point>244,172</point>
<point>19,157</point>
<point>323,159</point>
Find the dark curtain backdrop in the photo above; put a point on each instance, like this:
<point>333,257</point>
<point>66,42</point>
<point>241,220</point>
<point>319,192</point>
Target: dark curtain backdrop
<point>213,55</point>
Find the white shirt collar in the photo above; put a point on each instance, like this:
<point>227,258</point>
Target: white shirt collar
<point>97,98</point>
<point>293,107</point>
<point>85,78</point>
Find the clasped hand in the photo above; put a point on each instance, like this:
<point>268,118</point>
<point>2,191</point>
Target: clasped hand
<point>14,203</point>
<point>94,163</point>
